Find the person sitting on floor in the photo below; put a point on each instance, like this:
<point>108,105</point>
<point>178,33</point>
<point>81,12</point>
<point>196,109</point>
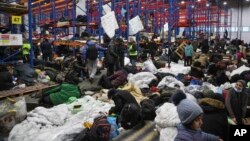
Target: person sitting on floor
<point>215,116</point>
<point>120,98</point>
<point>196,70</point>
<point>5,79</point>
<point>190,114</point>
<point>117,79</point>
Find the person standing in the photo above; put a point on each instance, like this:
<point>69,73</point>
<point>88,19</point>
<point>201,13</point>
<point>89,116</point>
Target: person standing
<point>132,51</point>
<point>236,102</point>
<point>26,51</point>
<point>188,54</point>
<point>152,48</point>
<point>121,53</point>
<point>168,52</point>
<point>111,58</point>
<point>90,55</point>
<point>46,49</point>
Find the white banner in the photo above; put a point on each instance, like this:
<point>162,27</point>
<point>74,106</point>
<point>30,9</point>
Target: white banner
<point>106,8</point>
<point>109,24</point>
<point>165,27</point>
<point>135,25</point>
<point>11,40</point>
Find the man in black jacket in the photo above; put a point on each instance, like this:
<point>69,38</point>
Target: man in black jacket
<point>5,79</point>
<point>120,98</point>
<point>46,50</point>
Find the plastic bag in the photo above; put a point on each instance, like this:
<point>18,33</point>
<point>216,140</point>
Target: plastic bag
<point>21,108</point>
<point>6,106</point>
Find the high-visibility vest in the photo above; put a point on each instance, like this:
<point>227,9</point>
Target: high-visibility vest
<point>131,51</point>
<point>26,48</point>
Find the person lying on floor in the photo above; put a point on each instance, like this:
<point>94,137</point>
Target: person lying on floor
<point>60,94</point>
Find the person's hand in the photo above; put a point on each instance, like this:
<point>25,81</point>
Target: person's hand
<point>235,121</point>
<point>220,139</point>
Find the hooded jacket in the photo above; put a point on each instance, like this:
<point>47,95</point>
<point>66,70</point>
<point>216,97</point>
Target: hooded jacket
<point>236,103</point>
<point>214,117</point>
<point>122,97</point>
<point>186,134</point>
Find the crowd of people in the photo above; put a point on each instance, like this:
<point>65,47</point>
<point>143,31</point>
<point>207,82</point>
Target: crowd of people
<point>210,62</point>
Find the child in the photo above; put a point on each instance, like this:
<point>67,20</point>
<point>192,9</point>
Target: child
<point>190,114</point>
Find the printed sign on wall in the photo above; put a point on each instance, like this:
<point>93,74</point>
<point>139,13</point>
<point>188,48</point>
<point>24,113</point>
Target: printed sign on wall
<point>11,40</point>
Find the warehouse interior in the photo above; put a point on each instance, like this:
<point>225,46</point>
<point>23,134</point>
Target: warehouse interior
<point>124,70</point>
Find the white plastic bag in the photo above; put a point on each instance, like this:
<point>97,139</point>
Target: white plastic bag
<point>21,108</point>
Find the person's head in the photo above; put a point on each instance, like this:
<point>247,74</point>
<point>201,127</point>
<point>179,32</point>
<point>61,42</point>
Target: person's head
<point>111,93</point>
<point>190,113</point>
<point>240,85</point>
<point>78,57</point>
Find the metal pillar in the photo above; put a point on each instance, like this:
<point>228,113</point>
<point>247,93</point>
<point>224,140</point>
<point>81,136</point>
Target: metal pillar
<point>100,30</point>
<point>30,32</point>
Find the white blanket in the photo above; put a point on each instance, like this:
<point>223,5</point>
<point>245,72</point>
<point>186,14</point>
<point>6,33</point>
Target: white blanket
<point>57,123</point>
<point>239,70</point>
<point>141,79</point>
<point>170,81</point>
<point>167,119</point>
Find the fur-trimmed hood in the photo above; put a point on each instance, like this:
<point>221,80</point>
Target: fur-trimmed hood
<point>210,104</point>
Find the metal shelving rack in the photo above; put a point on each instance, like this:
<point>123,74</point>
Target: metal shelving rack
<point>194,15</point>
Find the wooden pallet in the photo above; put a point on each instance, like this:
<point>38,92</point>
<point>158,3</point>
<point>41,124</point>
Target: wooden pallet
<point>181,49</point>
<point>24,91</point>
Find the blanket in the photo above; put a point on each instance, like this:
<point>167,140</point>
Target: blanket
<point>57,123</point>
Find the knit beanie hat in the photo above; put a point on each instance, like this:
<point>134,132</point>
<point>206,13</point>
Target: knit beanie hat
<point>243,82</point>
<point>111,93</point>
<point>187,109</point>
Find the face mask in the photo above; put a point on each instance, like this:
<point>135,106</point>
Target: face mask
<point>237,90</point>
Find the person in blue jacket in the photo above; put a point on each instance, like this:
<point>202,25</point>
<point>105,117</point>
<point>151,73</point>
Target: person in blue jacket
<point>90,55</point>
<point>188,54</point>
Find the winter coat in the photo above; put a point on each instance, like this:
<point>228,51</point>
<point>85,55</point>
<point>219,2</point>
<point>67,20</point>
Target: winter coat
<point>46,47</point>
<point>204,46</point>
<point>118,78</point>
<point>214,117</point>
<point>62,93</point>
<point>111,56</point>
<point>121,98</point>
<point>5,80</point>
<point>203,58</point>
<point>196,72</point>
<point>85,50</point>
<point>26,73</point>
<point>189,50</point>
<point>135,91</point>
<point>152,46</point>
<point>236,103</point>
<point>186,134</point>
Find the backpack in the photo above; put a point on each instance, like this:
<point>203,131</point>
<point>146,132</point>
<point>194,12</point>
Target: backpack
<point>92,52</point>
<point>130,116</point>
<point>100,130</point>
<point>112,119</point>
